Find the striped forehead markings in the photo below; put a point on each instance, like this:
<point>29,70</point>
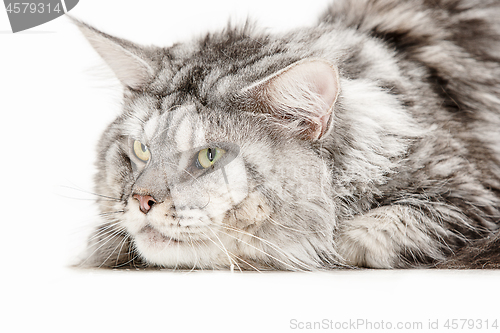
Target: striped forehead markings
<point>184,134</point>
<point>182,127</point>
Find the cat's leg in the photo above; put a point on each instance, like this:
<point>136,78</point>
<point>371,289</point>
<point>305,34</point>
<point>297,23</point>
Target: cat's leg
<point>391,237</point>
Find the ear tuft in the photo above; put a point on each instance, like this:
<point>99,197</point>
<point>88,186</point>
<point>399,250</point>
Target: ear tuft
<point>301,96</point>
<point>128,61</point>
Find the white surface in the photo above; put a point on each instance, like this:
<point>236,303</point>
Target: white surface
<point>54,106</point>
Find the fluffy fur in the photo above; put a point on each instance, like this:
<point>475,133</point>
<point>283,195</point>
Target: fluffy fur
<point>369,140</point>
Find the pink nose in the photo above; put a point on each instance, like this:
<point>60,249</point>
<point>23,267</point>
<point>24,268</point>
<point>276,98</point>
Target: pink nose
<point>145,202</point>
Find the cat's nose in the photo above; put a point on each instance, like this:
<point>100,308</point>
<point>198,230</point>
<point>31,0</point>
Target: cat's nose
<point>145,202</point>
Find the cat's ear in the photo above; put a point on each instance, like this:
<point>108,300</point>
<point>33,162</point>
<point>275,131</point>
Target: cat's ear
<point>129,61</point>
<point>301,97</point>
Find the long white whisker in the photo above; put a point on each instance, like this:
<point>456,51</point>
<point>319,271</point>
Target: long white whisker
<point>104,230</point>
<point>105,240</point>
<point>125,239</point>
<point>111,234</point>
<point>272,245</point>
<point>92,193</point>
<point>225,251</point>
<point>110,213</point>
<point>120,243</point>
<point>191,243</point>
<point>130,250</point>
<point>262,251</point>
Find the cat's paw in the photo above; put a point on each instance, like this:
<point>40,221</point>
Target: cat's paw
<point>386,237</point>
<point>366,242</point>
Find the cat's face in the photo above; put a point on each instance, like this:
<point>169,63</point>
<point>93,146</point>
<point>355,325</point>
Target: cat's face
<point>185,174</point>
<point>211,184</point>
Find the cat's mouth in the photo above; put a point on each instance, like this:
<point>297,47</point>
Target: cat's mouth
<point>154,236</point>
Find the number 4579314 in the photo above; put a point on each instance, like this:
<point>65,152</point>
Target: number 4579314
<point>472,324</point>
<point>32,7</point>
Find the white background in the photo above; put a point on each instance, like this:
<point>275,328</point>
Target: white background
<point>56,97</point>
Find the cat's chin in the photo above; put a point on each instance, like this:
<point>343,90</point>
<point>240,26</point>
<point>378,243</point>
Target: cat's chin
<point>154,236</point>
<point>159,249</point>
<point>153,239</point>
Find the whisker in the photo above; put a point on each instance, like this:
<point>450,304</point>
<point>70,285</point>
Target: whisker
<point>191,243</point>
<point>130,251</point>
<point>106,220</point>
<point>104,230</point>
<point>136,117</point>
<point>128,262</point>
<point>82,199</point>
<point>165,248</point>
<point>105,240</point>
<point>246,262</point>
<point>224,250</point>
<point>110,213</point>
<point>264,252</point>
<point>92,193</point>
<point>112,234</point>
<point>274,246</point>
<point>125,239</point>
<point>205,244</point>
<point>117,256</point>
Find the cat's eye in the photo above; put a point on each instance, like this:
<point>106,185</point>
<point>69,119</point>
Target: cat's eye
<point>141,151</point>
<point>208,156</point>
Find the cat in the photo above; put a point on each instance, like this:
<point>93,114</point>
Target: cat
<point>369,140</point>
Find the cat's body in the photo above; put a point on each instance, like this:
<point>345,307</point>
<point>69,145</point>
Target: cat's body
<point>371,140</point>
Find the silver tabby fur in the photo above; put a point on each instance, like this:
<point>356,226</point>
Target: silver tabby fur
<point>405,174</point>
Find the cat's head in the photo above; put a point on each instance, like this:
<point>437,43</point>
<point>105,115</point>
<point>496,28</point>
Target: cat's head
<point>215,158</point>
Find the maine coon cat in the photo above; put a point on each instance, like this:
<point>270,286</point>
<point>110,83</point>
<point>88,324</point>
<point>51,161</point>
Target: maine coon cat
<point>369,140</point>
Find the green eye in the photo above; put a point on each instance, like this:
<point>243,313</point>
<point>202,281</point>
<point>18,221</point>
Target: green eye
<point>208,156</point>
<point>141,151</point>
